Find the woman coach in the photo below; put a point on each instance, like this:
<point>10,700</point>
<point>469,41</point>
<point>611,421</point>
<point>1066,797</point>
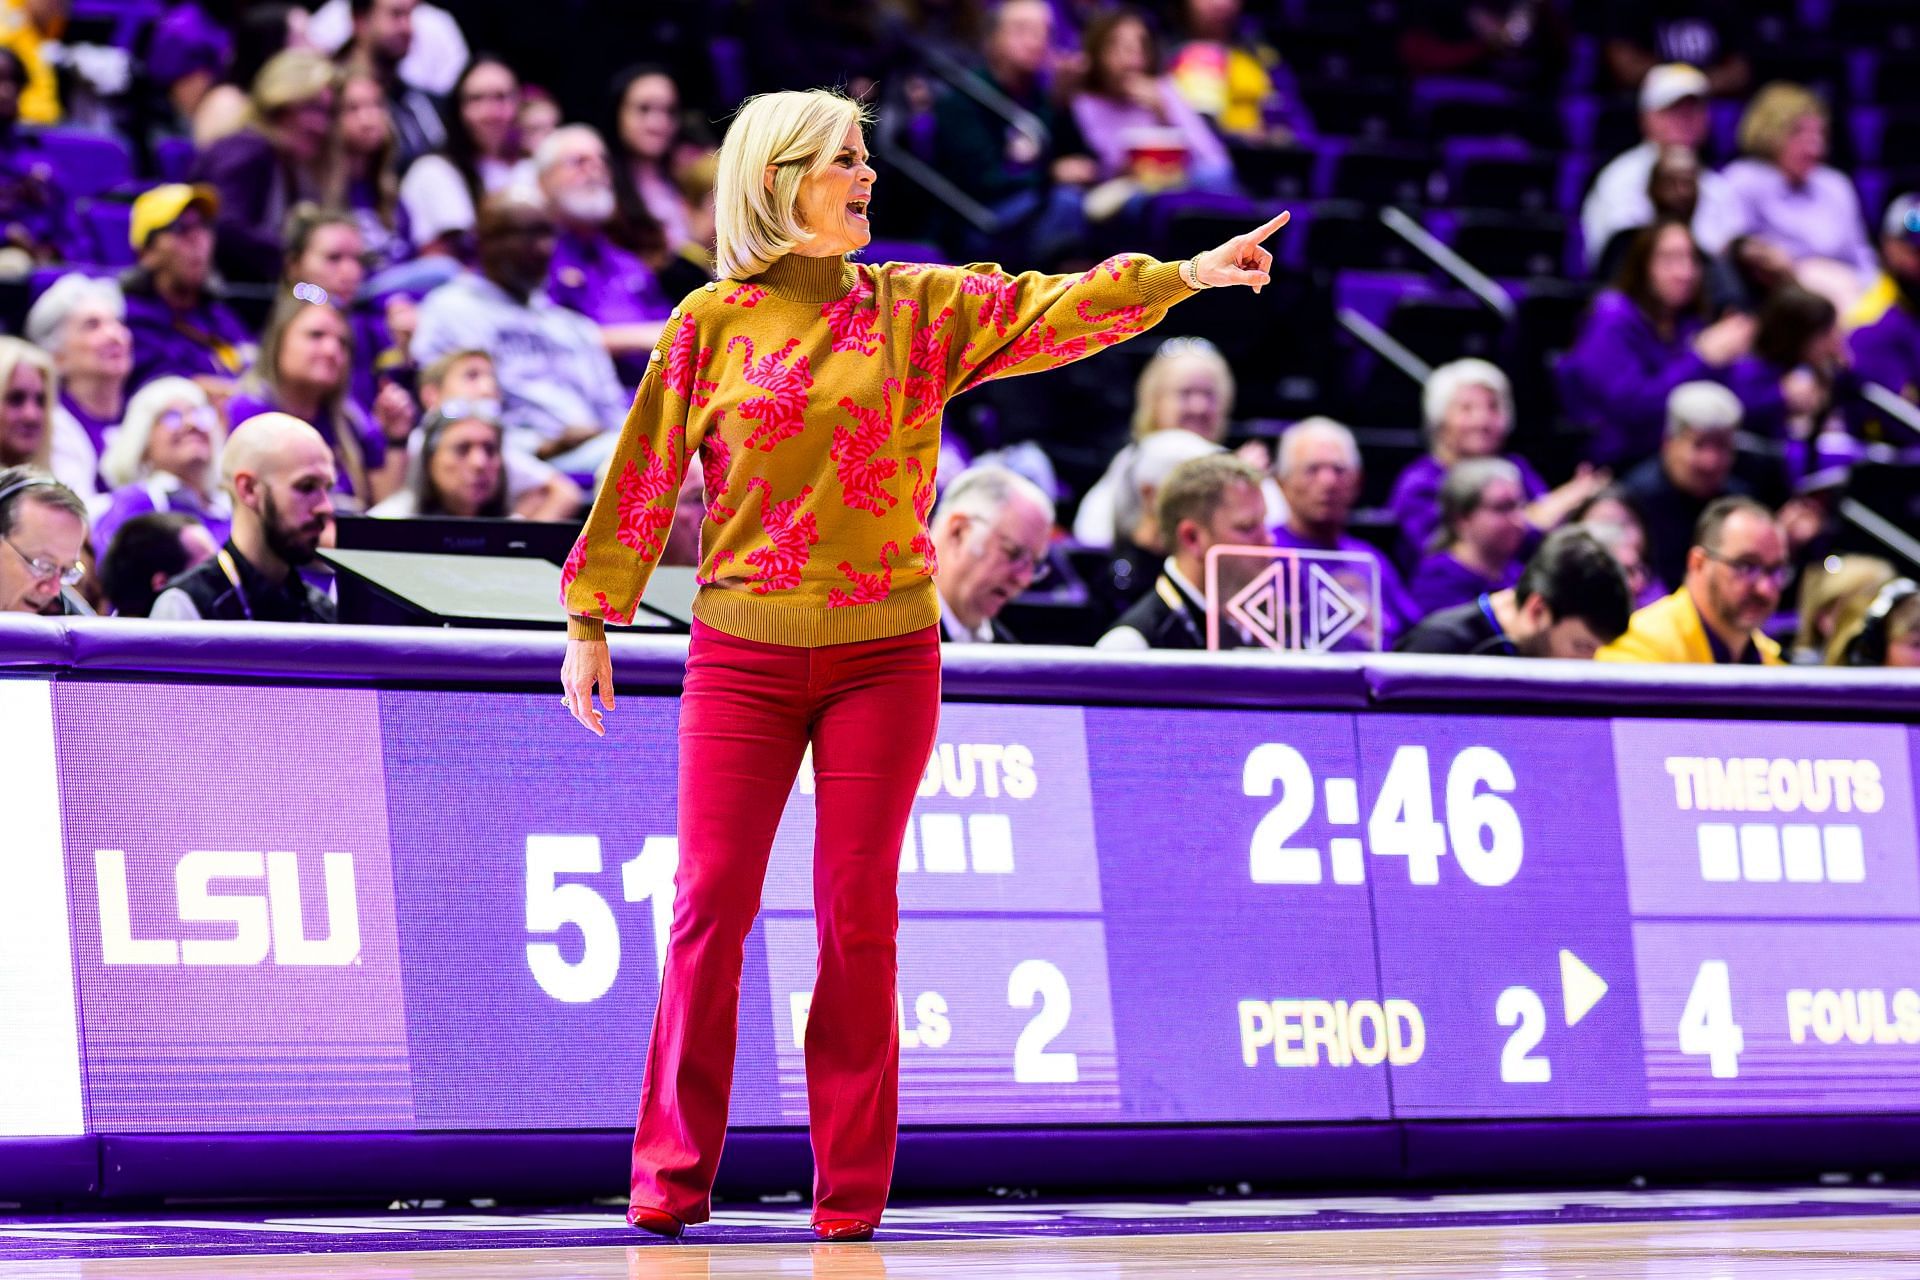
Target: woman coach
<point>811,389</point>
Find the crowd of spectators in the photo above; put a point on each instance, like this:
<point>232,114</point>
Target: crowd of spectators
<point>366,267</point>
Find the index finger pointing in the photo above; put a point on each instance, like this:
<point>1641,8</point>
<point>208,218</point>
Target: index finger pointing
<point>1278,222</point>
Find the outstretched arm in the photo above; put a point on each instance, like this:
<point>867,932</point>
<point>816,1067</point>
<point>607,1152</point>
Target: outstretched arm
<point>1011,325</point>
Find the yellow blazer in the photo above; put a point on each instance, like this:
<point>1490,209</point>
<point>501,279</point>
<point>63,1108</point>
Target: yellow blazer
<point>1670,630</point>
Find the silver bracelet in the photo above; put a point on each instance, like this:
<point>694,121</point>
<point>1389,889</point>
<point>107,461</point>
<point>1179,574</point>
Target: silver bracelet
<point>1190,274</point>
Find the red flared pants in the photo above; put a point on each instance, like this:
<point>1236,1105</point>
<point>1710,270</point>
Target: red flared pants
<point>748,712</point>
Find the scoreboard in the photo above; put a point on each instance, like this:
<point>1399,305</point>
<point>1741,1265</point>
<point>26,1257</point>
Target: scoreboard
<point>293,909</point>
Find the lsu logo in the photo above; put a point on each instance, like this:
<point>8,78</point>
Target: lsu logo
<point>265,918</point>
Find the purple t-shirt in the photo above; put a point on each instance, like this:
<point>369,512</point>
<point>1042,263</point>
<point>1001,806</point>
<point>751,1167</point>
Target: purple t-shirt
<point>159,493</point>
<point>207,340</point>
<point>1888,350</point>
<point>1442,582</point>
<point>1416,502</point>
<point>1615,379</point>
<point>1396,605</point>
<point>373,445</point>
<point>607,285</point>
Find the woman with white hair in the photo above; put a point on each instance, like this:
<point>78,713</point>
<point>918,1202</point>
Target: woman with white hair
<point>1483,528</point>
<point>811,388</point>
<point>1468,407</point>
<point>80,322</point>
<point>166,457</point>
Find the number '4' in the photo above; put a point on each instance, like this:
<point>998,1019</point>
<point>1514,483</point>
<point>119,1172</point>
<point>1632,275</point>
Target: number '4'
<point>1402,824</point>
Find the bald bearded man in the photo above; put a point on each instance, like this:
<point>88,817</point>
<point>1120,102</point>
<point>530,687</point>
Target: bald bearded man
<point>279,471</point>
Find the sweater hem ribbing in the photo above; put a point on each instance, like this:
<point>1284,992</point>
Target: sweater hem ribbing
<point>765,621</point>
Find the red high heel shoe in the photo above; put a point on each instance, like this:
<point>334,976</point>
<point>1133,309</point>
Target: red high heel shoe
<point>842,1230</point>
<point>658,1221</point>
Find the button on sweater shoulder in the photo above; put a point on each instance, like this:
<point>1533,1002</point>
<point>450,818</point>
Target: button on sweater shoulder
<point>811,396</point>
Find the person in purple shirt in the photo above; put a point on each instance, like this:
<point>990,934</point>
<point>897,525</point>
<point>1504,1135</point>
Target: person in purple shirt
<point>1886,325</point>
<point>1483,528</point>
<point>306,362</point>
<point>326,248</point>
<point>166,457</point>
<point>36,218</point>
<point>80,322</point>
<point>590,273</point>
<point>178,325</point>
<point>1468,406</point>
<point>1643,338</point>
<point>1797,371</point>
<point>368,178</point>
<point>1789,197</point>
<point>1318,463</point>
<point>278,159</point>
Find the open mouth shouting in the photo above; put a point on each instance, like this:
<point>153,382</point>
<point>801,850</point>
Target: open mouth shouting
<point>857,209</point>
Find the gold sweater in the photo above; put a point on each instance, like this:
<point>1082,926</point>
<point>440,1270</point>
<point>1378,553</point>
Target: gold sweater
<point>812,395</point>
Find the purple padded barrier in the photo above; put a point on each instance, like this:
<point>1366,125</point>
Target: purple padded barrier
<point>1058,674</point>
<point>553,1167</point>
<point>1402,681</point>
<point>1750,1146</point>
<point>39,1170</point>
<point>357,655</point>
<point>27,641</point>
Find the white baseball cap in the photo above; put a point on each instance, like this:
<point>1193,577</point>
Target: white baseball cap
<point>1669,83</point>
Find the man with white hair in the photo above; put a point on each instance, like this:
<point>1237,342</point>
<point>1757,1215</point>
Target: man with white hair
<point>1694,466</point>
<point>590,273</point>
<point>81,322</point>
<point>990,537</point>
<point>280,473</point>
<point>1318,463</point>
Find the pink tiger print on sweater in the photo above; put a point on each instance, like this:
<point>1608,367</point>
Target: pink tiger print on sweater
<point>818,433</point>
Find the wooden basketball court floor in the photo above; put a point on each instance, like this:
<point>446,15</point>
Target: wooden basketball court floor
<point>1697,1235</point>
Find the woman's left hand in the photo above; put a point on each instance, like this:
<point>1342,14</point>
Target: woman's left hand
<point>1240,260</point>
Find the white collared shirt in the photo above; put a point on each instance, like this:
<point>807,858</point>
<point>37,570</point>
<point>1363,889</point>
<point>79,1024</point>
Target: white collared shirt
<point>954,631</point>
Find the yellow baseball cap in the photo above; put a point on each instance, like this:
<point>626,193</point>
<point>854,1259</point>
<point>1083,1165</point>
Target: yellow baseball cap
<point>160,208</point>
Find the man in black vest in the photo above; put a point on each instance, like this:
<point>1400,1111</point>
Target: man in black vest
<point>280,473</point>
<point>1206,502</point>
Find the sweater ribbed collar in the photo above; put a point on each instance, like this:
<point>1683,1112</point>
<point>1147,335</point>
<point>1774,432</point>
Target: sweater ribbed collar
<point>803,279</point>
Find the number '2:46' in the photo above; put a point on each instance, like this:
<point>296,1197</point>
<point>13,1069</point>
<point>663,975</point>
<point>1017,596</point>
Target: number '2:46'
<point>1481,827</point>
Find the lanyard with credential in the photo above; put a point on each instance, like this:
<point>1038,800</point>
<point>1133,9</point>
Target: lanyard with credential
<point>1175,600</point>
<point>233,576</point>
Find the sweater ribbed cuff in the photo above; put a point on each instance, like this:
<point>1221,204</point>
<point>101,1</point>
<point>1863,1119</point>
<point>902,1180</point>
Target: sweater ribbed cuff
<point>579,628</point>
<point>1161,283</point>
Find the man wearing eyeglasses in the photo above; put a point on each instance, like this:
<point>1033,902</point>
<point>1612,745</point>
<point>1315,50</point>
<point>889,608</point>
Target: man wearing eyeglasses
<point>1736,570</point>
<point>44,525</point>
<point>990,538</point>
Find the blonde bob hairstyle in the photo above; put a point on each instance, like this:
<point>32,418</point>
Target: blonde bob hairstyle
<point>15,352</point>
<point>795,134</point>
<point>1772,115</point>
<point>1153,384</point>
